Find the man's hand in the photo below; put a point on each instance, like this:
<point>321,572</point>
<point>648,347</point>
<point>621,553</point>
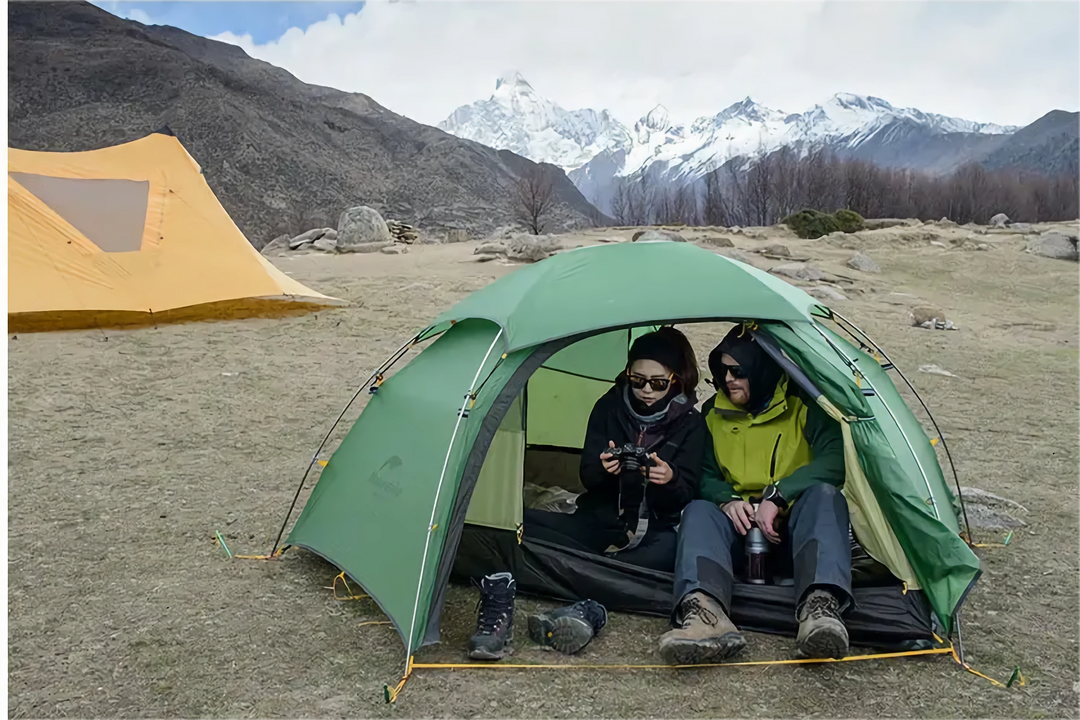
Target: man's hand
<point>766,516</point>
<point>741,514</point>
<point>660,473</point>
<point>613,466</point>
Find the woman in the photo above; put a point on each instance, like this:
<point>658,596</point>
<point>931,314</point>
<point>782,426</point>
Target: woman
<point>631,505</point>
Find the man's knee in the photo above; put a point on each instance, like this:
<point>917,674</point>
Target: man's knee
<point>702,511</point>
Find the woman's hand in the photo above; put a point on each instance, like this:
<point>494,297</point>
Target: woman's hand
<point>741,514</point>
<point>611,465</point>
<point>660,473</point>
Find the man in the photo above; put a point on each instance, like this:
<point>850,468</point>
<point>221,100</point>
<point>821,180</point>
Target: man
<point>768,443</point>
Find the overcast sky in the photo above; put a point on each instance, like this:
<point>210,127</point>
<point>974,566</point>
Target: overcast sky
<point>1003,62</point>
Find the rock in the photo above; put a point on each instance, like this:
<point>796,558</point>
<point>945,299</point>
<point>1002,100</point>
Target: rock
<point>394,250</point>
<point>798,271</point>
<point>610,240</point>
<point>999,220</point>
<point>504,232</point>
<point>360,227</point>
<point>776,250</point>
<point>930,318</point>
<point>718,241</point>
<point>970,244</point>
<point>737,255</point>
<point>531,248</point>
<point>308,237</point>
<point>1053,244</point>
<point>938,243</point>
<point>367,248</point>
<point>324,244</point>
<point>402,232</point>
<point>657,236</point>
<point>946,222</point>
<point>1022,228</point>
<point>988,511</point>
<point>281,242</point>
<point>824,292</point>
<point>882,223</point>
<point>863,263</point>
<point>457,235</point>
<point>935,370</point>
<point>491,249</point>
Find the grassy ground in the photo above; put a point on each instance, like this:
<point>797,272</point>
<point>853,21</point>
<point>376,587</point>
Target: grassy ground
<point>127,450</point>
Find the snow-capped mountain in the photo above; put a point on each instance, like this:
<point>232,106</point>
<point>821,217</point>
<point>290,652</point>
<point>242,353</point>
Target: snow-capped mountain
<point>516,118</point>
<point>594,148</point>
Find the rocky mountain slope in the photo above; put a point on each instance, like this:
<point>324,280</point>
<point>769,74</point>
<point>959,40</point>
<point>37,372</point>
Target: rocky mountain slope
<point>867,128</point>
<point>1051,144</point>
<point>282,156</point>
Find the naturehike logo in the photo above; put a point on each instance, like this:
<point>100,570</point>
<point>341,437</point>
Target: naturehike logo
<point>384,484</point>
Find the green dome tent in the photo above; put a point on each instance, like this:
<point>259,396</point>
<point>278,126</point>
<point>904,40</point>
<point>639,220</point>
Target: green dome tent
<point>440,451</point>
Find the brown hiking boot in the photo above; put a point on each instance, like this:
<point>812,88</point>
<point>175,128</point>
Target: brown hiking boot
<point>705,634</point>
<point>821,631</point>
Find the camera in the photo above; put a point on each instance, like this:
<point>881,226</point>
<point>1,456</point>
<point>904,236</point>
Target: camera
<point>633,457</point>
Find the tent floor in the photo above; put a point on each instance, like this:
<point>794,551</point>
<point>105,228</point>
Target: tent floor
<point>885,617</point>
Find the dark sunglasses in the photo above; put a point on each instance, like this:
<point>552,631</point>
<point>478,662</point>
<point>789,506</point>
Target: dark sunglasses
<point>737,372</point>
<point>658,384</point>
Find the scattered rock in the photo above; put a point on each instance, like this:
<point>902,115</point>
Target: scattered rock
<point>736,230</point>
<point>1022,228</point>
<point>278,244</point>
<point>987,511</point>
<point>935,370</point>
<point>1000,220</point>
<point>367,247</point>
<point>491,248</point>
<point>824,292</point>
<point>718,241</point>
<point>309,237</point>
<point>776,250</point>
<point>882,223</point>
<point>457,235</point>
<point>798,271</point>
<point>970,244</point>
<point>946,222</point>
<point>531,248</point>
<point>736,254</point>
<point>394,250</point>
<point>325,244</point>
<point>863,263</point>
<point>610,240</point>
<point>360,227</point>
<point>657,236</point>
<point>401,232</point>
<point>924,314</point>
<point>1053,244</point>
<point>504,232</point>
<point>938,243</point>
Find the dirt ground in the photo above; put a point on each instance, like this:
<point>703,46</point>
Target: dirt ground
<point>127,450</point>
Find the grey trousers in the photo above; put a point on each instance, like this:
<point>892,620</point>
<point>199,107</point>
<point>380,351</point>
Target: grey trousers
<point>710,550</point>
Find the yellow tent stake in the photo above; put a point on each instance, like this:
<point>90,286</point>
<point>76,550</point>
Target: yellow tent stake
<point>374,622</point>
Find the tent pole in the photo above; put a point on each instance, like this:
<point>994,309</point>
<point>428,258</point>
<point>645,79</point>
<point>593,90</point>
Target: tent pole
<point>959,637</point>
<point>438,489</point>
<point>387,364</point>
<point>937,429</point>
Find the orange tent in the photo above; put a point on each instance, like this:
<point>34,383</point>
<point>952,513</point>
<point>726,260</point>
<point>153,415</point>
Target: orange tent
<point>131,235</point>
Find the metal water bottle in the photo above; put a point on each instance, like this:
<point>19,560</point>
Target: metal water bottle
<point>757,547</point>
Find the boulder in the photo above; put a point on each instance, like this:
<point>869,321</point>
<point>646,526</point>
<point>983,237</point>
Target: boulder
<point>394,250</point>
<point>882,223</point>
<point>1022,228</point>
<point>278,244</point>
<point>776,250</point>
<point>718,241</point>
<point>366,247</point>
<point>360,227</point>
<point>325,244</point>
<point>491,248</point>
<point>999,220</point>
<point>657,236</point>
<point>531,248</point>
<point>736,254</point>
<point>309,237</point>
<point>824,292</point>
<point>1053,244</point>
<point>946,222</point>
<point>863,263</point>
<point>457,235</point>
<point>930,318</point>
<point>798,271</point>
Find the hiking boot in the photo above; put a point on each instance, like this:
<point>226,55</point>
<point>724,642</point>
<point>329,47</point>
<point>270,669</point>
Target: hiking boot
<point>821,631</point>
<point>494,618</point>
<point>570,628</point>
<point>704,635</point>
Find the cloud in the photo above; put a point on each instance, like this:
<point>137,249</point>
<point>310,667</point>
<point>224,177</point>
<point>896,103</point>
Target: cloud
<point>1005,62</point>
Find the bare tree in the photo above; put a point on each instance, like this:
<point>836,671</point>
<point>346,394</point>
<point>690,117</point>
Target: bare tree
<point>760,189</point>
<point>534,197</point>
<point>621,203</point>
<point>714,208</point>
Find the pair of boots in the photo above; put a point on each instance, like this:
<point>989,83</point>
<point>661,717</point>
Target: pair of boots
<point>566,629</point>
<point>705,633</point>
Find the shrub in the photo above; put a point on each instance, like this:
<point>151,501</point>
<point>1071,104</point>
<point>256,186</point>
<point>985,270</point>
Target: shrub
<point>811,224</point>
<point>849,221</point>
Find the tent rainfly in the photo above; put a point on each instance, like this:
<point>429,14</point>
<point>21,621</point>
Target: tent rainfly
<point>131,235</point>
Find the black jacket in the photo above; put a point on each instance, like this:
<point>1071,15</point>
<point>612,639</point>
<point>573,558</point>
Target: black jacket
<point>681,446</point>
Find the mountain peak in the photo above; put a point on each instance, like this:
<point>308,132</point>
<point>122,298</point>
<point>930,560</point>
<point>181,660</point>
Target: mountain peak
<point>657,119</point>
<point>511,80</point>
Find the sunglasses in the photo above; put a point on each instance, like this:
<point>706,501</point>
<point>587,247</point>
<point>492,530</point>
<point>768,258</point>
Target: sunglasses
<point>737,372</point>
<point>657,384</point>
